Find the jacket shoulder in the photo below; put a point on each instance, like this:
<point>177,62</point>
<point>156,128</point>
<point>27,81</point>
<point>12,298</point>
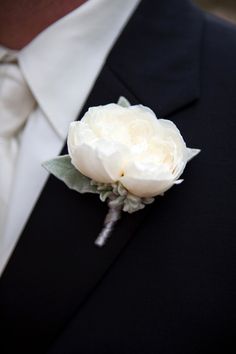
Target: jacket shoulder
<point>220,35</point>
<point>219,56</point>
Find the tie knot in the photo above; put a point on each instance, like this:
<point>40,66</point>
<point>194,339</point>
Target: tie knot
<point>16,99</point>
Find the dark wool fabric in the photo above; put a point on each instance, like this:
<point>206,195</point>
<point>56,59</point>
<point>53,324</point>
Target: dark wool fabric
<point>165,283</point>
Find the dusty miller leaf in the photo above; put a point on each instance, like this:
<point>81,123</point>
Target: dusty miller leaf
<point>123,102</point>
<point>62,168</point>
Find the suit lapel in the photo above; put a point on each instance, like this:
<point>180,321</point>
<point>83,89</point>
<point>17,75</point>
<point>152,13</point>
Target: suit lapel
<point>56,265</point>
<point>163,43</point>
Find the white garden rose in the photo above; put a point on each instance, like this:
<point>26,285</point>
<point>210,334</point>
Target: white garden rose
<point>131,146</point>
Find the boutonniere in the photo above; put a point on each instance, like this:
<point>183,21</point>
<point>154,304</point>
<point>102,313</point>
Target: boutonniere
<point>125,154</point>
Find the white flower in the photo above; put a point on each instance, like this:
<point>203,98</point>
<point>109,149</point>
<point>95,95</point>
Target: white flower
<point>130,145</point>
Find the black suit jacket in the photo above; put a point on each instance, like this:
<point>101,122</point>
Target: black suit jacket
<point>166,281</point>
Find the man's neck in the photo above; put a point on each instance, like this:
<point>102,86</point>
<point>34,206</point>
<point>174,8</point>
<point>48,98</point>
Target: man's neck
<point>22,20</point>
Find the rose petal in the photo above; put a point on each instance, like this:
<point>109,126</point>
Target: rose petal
<point>146,180</point>
<point>146,187</point>
<point>86,159</point>
<point>102,162</point>
<point>113,157</point>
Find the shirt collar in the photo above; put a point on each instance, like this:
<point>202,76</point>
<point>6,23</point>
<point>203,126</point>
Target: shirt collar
<point>69,54</point>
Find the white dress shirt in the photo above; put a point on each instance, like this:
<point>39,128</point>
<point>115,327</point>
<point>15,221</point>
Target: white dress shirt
<point>60,66</point>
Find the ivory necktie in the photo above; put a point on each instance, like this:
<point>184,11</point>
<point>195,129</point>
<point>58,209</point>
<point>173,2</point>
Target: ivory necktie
<point>16,104</point>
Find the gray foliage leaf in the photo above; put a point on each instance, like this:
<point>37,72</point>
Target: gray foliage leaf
<point>123,102</point>
<point>62,168</point>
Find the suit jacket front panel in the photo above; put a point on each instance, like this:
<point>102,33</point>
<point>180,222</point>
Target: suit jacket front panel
<point>171,290</point>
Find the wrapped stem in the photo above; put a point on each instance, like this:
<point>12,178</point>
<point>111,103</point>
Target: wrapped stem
<point>114,214</point>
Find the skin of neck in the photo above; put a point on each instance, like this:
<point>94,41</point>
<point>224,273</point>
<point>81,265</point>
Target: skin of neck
<point>22,20</point>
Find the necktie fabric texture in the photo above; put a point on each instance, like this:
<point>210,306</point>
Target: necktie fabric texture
<point>16,104</point>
